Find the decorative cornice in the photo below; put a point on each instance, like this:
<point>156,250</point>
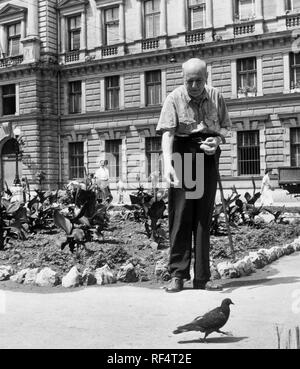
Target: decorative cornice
<point>71,3</point>
<point>254,118</point>
<point>108,3</point>
<point>10,11</point>
<point>210,50</point>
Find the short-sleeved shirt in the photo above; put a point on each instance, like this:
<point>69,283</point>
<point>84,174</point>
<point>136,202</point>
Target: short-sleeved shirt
<point>102,177</point>
<point>183,115</point>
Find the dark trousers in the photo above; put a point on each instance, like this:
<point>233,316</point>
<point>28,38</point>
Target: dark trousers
<point>189,217</point>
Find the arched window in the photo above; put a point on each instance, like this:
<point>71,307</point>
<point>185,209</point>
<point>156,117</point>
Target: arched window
<point>10,147</point>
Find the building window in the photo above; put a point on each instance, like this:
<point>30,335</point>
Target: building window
<point>295,72</point>
<point>74,31</point>
<point>153,88</point>
<point>247,77</point>
<point>153,155</point>
<point>295,147</point>
<point>197,14</point>
<point>112,89</point>
<point>111,25</point>
<point>75,97</point>
<point>248,153</point>
<point>293,5</point>
<point>113,152</point>
<point>9,99</point>
<point>13,39</point>
<point>76,160</point>
<point>245,10</point>
<point>152,18</point>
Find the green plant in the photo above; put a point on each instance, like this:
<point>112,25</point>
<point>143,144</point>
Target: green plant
<point>150,208</point>
<point>13,220</point>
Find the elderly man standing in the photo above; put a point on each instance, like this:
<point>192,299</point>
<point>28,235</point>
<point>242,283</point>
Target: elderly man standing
<point>194,121</point>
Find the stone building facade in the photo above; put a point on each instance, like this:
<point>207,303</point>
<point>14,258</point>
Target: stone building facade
<point>88,77</point>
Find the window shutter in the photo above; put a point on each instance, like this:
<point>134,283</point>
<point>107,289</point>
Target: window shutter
<point>198,17</point>
<point>112,34</point>
<point>246,9</point>
<point>15,47</point>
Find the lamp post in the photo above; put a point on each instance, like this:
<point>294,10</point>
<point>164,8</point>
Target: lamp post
<point>17,134</point>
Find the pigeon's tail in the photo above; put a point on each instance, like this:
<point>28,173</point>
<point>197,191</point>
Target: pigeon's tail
<point>185,328</point>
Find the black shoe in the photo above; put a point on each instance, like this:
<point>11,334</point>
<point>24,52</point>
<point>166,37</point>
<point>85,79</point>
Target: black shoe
<point>176,285</point>
<point>208,286</point>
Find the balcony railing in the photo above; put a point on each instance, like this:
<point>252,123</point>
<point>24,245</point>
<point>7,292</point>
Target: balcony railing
<point>11,60</point>
<point>150,44</point>
<point>110,50</point>
<point>293,21</point>
<point>243,29</point>
<point>72,56</point>
<point>195,37</point>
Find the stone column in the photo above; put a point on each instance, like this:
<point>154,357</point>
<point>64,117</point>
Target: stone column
<point>3,40</point>
<point>63,34</point>
<point>83,31</point>
<point>209,14</point>
<point>139,20</point>
<point>33,16</point>
<point>286,75</point>
<point>31,43</point>
<point>163,18</point>
<point>100,23</point>
<point>231,9</point>
<point>183,16</point>
<point>122,22</point>
<point>281,7</point>
<point>259,69</point>
<point>259,9</point>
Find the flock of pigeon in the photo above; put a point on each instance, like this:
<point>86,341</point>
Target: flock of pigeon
<point>210,322</point>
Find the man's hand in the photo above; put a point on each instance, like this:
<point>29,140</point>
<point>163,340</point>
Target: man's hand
<point>170,175</point>
<point>210,145</point>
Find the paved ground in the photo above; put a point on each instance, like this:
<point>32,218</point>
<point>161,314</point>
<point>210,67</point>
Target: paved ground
<point>133,317</point>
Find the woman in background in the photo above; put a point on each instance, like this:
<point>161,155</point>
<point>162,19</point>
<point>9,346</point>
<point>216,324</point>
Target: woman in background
<point>267,189</point>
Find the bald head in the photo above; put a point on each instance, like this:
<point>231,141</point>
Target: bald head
<point>194,65</point>
<point>195,76</point>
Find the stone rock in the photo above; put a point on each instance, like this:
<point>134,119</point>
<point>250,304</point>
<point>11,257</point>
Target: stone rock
<point>278,250</point>
<point>288,249</point>
<point>47,278</point>
<point>20,276</point>
<point>265,217</point>
<point>264,256</point>
<point>214,272</point>
<point>154,245</point>
<point>249,268</point>
<point>296,244</point>
<point>30,277</point>
<point>127,274</point>
<point>88,278</point>
<point>258,260</point>
<point>161,270</point>
<point>105,275</point>
<point>72,279</point>
<point>227,270</point>
<point>5,272</point>
<point>272,255</point>
<point>142,274</point>
<point>244,267</point>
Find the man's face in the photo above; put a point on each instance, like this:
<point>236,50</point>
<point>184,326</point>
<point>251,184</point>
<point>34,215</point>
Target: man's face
<point>194,81</point>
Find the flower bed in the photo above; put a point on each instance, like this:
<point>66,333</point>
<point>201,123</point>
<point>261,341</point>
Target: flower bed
<point>127,255</point>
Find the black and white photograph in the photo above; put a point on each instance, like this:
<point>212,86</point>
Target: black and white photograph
<point>150,177</point>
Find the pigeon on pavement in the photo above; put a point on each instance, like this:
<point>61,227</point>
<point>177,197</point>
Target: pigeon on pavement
<point>211,322</point>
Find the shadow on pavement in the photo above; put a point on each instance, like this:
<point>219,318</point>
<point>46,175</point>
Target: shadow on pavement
<point>257,282</point>
<point>222,340</point>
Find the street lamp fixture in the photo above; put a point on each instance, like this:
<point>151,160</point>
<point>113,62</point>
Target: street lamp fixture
<point>17,134</point>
